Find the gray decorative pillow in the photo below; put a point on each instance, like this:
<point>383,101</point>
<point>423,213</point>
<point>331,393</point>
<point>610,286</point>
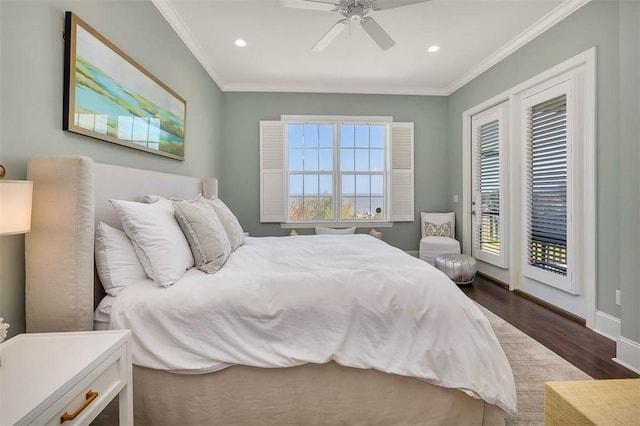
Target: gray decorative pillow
<point>229,221</point>
<point>205,234</point>
<point>433,230</point>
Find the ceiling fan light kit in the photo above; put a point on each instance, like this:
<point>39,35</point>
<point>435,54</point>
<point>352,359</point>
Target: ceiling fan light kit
<point>353,11</point>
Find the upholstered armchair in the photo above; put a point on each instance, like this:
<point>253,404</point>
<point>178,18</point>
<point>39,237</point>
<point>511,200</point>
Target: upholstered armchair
<point>438,235</point>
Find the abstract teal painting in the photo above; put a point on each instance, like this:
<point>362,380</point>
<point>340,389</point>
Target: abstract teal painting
<point>109,96</point>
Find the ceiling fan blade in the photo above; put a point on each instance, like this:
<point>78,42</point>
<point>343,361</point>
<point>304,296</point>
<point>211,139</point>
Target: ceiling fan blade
<point>330,36</point>
<point>391,4</point>
<point>310,4</point>
<point>378,35</point>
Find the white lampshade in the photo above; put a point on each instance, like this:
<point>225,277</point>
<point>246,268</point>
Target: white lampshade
<point>15,206</point>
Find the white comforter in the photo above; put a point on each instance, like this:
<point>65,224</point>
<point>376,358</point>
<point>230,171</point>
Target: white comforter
<point>286,301</point>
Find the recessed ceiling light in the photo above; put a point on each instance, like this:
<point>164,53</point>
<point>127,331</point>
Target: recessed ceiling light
<point>433,49</point>
<point>240,42</point>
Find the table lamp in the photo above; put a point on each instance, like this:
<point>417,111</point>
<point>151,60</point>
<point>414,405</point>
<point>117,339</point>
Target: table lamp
<point>15,214</point>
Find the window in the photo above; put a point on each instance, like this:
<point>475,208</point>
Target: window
<point>547,186</point>
<point>311,165</point>
<point>489,187</point>
<point>354,163</point>
<point>336,170</point>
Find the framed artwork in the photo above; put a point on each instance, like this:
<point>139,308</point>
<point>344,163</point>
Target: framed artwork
<point>109,96</point>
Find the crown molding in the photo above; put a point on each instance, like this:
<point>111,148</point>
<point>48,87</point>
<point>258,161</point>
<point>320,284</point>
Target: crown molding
<point>543,24</point>
<point>556,15</point>
<point>334,89</point>
<point>171,16</point>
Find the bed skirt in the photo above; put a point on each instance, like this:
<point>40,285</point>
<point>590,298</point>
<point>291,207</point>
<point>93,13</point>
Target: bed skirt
<point>311,394</point>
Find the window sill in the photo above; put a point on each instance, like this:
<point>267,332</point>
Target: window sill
<point>304,225</point>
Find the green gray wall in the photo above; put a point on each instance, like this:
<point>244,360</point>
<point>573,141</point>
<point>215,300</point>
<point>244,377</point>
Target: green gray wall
<point>629,174</point>
<point>31,102</point>
<point>241,149</point>
<point>225,126</point>
<point>596,24</point>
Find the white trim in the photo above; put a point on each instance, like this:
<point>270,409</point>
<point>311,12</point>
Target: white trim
<point>590,185</point>
<point>466,219</point>
<point>341,119</point>
<point>173,18</point>
<point>565,9</point>
<point>628,354</point>
<point>543,24</point>
<point>607,325</point>
<point>373,90</point>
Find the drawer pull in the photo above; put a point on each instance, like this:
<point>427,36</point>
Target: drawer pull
<point>90,397</point>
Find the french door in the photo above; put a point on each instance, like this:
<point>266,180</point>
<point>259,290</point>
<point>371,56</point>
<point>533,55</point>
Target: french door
<point>488,182</point>
<point>530,186</point>
<point>548,188</point>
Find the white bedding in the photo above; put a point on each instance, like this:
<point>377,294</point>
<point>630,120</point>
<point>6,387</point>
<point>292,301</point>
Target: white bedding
<point>286,301</point>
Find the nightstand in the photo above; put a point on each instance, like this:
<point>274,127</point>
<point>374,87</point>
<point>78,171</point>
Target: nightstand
<point>65,378</point>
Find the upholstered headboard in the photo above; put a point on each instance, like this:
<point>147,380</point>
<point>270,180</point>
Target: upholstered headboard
<point>70,196</point>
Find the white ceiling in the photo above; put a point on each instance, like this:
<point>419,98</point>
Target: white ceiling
<point>473,35</point>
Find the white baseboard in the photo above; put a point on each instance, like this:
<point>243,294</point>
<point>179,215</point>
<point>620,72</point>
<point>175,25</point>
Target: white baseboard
<point>607,325</point>
<point>628,354</point>
<point>414,253</point>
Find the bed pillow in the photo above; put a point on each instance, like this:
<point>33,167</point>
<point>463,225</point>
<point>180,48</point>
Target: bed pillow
<point>207,237</point>
<point>116,260</point>
<point>334,231</point>
<point>157,239</point>
<point>229,221</point>
<point>433,230</point>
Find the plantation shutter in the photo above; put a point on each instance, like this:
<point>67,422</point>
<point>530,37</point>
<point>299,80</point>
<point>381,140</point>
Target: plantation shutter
<point>402,188</point>
<point>547,184</point>
<point>272,197</point>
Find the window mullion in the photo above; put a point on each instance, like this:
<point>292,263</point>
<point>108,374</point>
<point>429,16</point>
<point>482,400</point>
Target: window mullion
<point>337,173</point>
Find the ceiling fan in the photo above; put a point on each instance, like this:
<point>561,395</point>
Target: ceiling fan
<point>353,11</point>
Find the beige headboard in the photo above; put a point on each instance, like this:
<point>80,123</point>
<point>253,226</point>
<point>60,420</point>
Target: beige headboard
<point>70,196</point>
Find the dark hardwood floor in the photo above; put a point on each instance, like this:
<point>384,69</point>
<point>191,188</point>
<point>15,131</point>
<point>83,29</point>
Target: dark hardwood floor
<point>584,348</point>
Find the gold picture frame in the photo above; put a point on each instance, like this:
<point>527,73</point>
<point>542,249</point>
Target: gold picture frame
<point>109,96</point>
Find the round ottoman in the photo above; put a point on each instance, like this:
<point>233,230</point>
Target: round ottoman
<point>459,267</point>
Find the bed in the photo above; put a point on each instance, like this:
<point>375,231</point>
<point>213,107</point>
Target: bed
<point>304,378</point>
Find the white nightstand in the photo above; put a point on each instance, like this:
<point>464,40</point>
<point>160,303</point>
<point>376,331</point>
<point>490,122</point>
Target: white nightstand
<point>46,378</point>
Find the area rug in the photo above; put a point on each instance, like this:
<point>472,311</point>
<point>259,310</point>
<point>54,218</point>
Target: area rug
<point>533,365</point>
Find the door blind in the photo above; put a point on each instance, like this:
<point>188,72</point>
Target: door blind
<point>547,186</point>
<point>488,187</point>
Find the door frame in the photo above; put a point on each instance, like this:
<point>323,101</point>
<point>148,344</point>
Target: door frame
<point>586,63</point>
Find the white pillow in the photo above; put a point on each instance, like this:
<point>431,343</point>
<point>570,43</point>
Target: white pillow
<point>157,238</point>
<point>334,231</point>
<point>116,260</point>
<point>103,311</point>
<point>207,238</point>
<point>229,222</point>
